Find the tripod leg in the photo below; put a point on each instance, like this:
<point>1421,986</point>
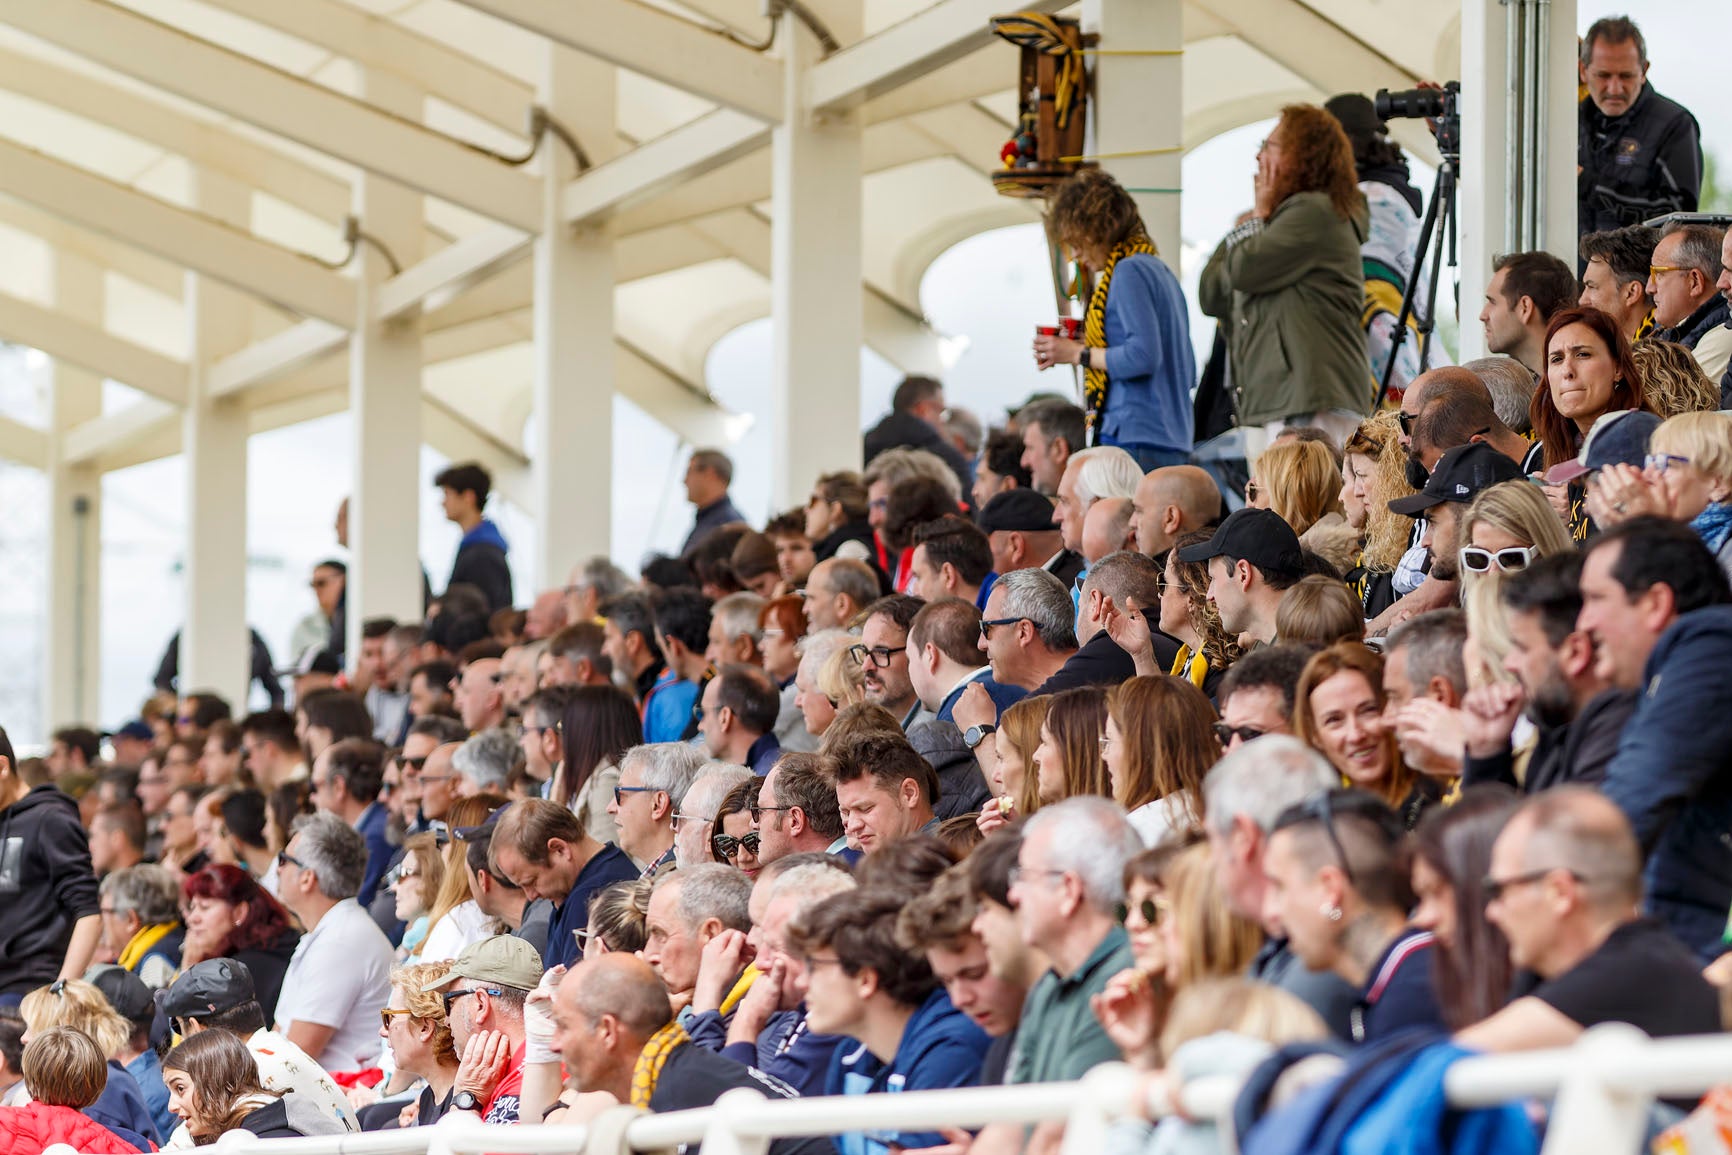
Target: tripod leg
<point>1400,334</point>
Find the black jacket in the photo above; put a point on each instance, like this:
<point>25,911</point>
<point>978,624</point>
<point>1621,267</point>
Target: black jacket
<point>480,562</point>
<point>46,885</point>
<point>961,787</point>
<point>1672,777</point>
<point>906,431</point>
<point>860,531</point>
<point>1102,663</point>
<point>1066,566</point>
<point>1639,165</point>
<point>1711,314</point>
<point>1575,753</point>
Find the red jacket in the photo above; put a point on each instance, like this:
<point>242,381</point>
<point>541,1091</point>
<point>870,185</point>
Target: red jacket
<point>32,1128</point>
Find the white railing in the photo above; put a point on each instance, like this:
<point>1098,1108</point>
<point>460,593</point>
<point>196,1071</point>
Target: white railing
<point>1603,1087</point>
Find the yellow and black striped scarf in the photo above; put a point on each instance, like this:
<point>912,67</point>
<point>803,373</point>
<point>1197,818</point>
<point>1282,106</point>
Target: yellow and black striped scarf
<point>654,1057</point>
<point>1095,331</point>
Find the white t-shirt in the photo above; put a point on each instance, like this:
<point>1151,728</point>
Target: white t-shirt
<point>462,925</point>
<point>1155,821</point>
<point>340,976</point>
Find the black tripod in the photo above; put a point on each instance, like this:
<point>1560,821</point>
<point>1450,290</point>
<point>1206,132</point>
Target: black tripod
<point>1431,240</point>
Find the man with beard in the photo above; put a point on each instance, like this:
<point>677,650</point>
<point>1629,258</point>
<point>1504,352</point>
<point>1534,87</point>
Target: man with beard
<point>1461,475</point>
<point>1578,711</point>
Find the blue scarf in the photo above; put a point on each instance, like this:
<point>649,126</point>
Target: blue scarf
<point>1714,525</point>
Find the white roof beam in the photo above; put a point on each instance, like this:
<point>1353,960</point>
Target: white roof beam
<point>103,435</point>
<point>93,348</point>
<point>274,356</point>
<point>300,110</point>
<point>381,44</point>
<point>200,243</point>
<point>689,151</point>
<point>1312,46</point>
<point>654,44</point>
<point>152,272</point>
<point>905,51</point>
<point>447,272</point>
<point>23,444</point>
<point>979,73</point>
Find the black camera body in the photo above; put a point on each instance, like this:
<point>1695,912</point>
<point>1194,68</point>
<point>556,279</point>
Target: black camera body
<point>1441,106</point>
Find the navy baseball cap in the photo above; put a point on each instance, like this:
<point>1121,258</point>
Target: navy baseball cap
<point>1616,438</point>
<point>1462,474</point>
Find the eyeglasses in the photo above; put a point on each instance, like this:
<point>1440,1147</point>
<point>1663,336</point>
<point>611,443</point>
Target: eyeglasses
<point>284,858</point>
<point>987,624</point>
<point>386,1015</point>
<point>1105,740</point>
<point>879,656</point>
<point>619,792</point>
<point>414,764</point>
<point>1318,807</point>
<point>1661,462</point>
<point>758,812</point>
<point>1152,910</point>
<point>1496,887</point>
<point>679,818</point>
<point>1018,873</point>
<point>449,997</point>
<point>1252,490</point>
<point>1656,270</point>
<point>1407,419</point>
<point>1224,734</point>
<point>726,847</point>
<point>1510,560</point>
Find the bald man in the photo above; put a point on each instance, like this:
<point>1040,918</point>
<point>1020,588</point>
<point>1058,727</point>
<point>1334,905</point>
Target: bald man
<point>1107,528</point>
<point>1565,878</point>
<point>1171,502</point>
<point>1427,385</point>
<point>605,1013</point>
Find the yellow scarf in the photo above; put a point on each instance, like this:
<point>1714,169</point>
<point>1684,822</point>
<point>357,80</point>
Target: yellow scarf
<point>1095,331</point>
<point>740,987</point>
<point>655,1056</point>
<point>1192,667</point>
<point>141,943</point>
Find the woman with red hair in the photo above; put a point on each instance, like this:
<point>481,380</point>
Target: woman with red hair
<point>1290,280</point>
<point>228,915</point>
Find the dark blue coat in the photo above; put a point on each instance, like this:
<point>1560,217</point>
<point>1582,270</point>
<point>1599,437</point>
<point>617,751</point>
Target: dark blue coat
<point>940,1047</point>
<point>1672,777</point>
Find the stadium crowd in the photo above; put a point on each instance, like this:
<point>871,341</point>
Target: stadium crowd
<point>1026,749</point>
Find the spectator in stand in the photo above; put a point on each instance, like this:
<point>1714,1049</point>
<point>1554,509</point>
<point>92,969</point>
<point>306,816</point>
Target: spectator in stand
<point>827,679</point>
<point>1527,290</point>
<point>689,910</point>
<point>117,838</point>
<point>133,1001</point>
<point>945,659</point>
<point>796,811</point>
<point>837,591</point>
<point>1120,584</point>
<point>578,656</point>
<point>220,762</point>
<point>1688,478</point>
<point>733,634</point>
<point>1136,349</point>
<point>542,849</point>
<point>1425,677</point>
<point>1158,745</point>
<point>862,983</point>
<point>782,625</point>
<point>1565,877</point>
<point>480,560</point>
<point>601,726</point>
<point>838,521</point>
<point>916,421</point>
<point>415,882</point>
<point>908,504</point>
<point>178,846</point>
<point>884,790</point>
<point>1339,710</point>
<point>952,558</point>
<point>484,990</point>
<point>339,976</point>
<point>733,840</point>
<point>64,1075</point>
<point>1374,470</point>
<point>327,717</point>
<point>628,625</point>
<point>738,721</point>
<point>454,918</point>
<point>1615,277</point>
<point>1253,558</point>
<point>419,1036</point>
<point>74,749</point>
<point>1654,602</point>
<point>270,749</point>
<point>1291,267</point>
<point>1091,476</point>
<point>1687,308</point>
<point>1172,502</point>
<point>1673,379</point>
<point>76,1004</point>
<point>1068,761</point>
<point>1007,761</point>
<point>1338,884</point>
<point>653,782</point>
<point>591,583</point>
<point>682,633</point>
<point>709,472</point>
<point>1638,153</point>
<point>1028,633</point>
<point>1451,862</point>
<point>1320,611</point>
<point>754,562</point>
<point>215,1085</point>
<point>999,468</point>
<point>1052,430</point>
<point>347,779</point>
<point>55,913</point>
<point>1300,480</point>
<point>795,555</point>
<point>141,921</point>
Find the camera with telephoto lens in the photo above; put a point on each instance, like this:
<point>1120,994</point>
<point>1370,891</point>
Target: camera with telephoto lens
<point>1441,106</point>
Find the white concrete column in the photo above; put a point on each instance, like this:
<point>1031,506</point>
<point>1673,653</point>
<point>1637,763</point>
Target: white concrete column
<point>215,648</point>
<point>385,399</point>
<point>815,270</point>
<point>1485,226</point>
<point>72,650</point>
<point>1139,105</point>
<point>571,460</point>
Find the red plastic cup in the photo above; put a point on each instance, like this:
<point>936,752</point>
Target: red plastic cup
<point>1046,330</point>
<point>1072,327</point>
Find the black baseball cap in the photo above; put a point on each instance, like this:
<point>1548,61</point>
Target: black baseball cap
<point>208,988</point>
<point>126,993</point>
<point>1258,536</point>
<point>468,833</point>
<point>1019,509</point>
<point>1462,474</point>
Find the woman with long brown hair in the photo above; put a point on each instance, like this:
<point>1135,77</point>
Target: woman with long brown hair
<point>1451,860</point>
<point>1290,280</point>
<point>1338,711</point>
<point>213,1084</point>
<point>598,726</point>
<point>1158,745</point>
<point>1009,766</point>
<point>1589,372</point>
<point>1135,355</point>
<point>1068,760</point>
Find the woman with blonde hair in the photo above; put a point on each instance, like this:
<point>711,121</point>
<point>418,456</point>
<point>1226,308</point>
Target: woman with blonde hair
<point>414,1027</point>
<point>1688,478</point>
<point>1300,481</point>
<point>1067,763</point>
<point>1158,745</point>
<point>419,878</point>
<point>1505,528</point>
<point>1009,767</point>
<point>1338,711</point>
<point>1673,379</point>
<point>1374,473</point>
<point>454,920</point>
<point>80,1005</point>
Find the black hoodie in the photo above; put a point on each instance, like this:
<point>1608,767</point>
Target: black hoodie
<point>46,885</point>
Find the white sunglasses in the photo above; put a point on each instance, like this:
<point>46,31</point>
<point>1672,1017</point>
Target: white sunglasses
<point>1516,557</point>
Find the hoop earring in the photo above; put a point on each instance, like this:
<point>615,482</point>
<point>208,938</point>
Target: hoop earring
<point>1332,913</point>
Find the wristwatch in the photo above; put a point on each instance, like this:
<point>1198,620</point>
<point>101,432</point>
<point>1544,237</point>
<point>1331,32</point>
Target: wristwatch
<point>466,1101</point>
<point>975,735</point>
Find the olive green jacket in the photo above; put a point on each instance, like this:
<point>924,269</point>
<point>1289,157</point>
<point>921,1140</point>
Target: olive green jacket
<point>1290,297</point>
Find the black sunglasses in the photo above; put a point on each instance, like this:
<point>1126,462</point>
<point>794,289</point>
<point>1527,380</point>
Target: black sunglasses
<point>449,997</point>
<point>1148,908</point>
<point>726,847</point>
<point>1224,733</point>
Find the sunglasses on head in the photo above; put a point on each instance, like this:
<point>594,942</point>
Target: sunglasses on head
<point>726,847</point>
<point>1516,557</point>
